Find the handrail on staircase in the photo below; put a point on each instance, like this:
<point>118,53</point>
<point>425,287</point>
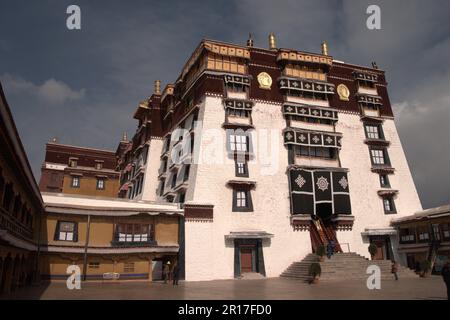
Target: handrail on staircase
<point>347,244</point>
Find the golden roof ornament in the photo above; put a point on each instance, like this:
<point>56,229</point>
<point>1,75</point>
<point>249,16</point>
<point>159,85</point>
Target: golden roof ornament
<point>272,42</point>
<point>324,48</point>
<point>54,140</point>
<point>158,87</point>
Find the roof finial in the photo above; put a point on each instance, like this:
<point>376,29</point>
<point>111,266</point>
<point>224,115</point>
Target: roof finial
<point>272,42</point>
<point>54,140</point>
<point>374,65</point>
<point>250,40</point>
<point>125,137</point>
<point>158,87</point>
<point>324,48</point>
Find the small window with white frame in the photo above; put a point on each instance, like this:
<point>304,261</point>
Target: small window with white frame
<point>373,131</point>
<point>239,143</point>
<point>388,205</point>
<point>378,156</point>
<point>75,182</point>
<point>100,184</point>
<point>66,231</point>
<point>242,201</point>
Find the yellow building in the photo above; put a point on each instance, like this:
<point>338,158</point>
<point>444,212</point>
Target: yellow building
<point>107,238</point>
<point>20,208</point>
<point>79,170</point>
<point>425,235</point>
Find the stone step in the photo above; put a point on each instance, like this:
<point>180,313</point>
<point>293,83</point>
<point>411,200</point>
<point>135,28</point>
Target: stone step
<point>343,266</point>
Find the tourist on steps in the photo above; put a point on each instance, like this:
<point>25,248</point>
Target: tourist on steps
<point>330,249</point>
<point>394,269</point>
<point>446,276</point>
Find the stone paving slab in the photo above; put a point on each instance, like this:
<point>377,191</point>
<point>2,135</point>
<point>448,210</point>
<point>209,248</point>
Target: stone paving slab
<point>272,288</point>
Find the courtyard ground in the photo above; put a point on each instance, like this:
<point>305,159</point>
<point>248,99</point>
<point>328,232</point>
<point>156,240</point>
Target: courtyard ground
<point>273,288</point>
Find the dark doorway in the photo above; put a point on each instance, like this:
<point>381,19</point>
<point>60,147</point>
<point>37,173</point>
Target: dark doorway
<point>248,257</point>
<point>324,211</point>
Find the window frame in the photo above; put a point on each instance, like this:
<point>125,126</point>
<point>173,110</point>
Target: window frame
<point>133,233</point>
<point>248,199</point>
<point>244,162</point>
<point>387,183</point>
<point>232,141</point>
<point>74,232</point>
<point>392,209</point>
<point>75,178</point>
<point>379,131</point>
<point>386,160</point>
<point>103,186</point>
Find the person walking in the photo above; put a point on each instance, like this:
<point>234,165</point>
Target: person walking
<point>394,269</point>
<point>445,272</point>
<point>166,271</point>
<point>330,249</point>
<point>176,274</point>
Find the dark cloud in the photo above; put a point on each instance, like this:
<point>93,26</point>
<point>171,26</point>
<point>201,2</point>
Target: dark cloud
<point>83,86</point>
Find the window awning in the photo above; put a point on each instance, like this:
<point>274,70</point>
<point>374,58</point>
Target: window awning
<point>369,99</point>
<point>311,112</point>
<point>238,104</point>
<point>249,235</point>
<point>379,232</point>
<point>308,85</point>
<point>234,79</point>
<point>312,138</point>
<point>387,192</point>
<point>242,183</point>
<point>365,76</point>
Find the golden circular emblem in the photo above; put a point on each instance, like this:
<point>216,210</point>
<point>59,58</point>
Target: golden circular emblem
<point>264,80</point>
<point>343,92</point>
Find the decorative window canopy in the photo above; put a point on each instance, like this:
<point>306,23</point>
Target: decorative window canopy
<point>306,85</point>
<point>304,57</point>
<point>311,187</point>
<point>311,112</point>
<point>238,104</point>
<point>234,79</point>
<point>242,183</point>
<point>249,235</point>
<point>387,193</point>
<point>312,138</point>
<point>369,99</point>
<point>365,76</point>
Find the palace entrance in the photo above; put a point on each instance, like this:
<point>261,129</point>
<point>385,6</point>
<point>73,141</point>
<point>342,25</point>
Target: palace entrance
<point>248,251</point>
<point>322,229</point>
<point>383,244</point>
<point>248,254</point>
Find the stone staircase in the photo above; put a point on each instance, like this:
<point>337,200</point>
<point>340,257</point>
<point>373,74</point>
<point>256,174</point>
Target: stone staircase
<point>343,266</point>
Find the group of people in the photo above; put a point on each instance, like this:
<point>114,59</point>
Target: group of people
<point>174,273</point>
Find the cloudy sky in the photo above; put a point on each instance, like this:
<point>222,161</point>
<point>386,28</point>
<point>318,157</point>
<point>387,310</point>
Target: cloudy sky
<point>83,86</point>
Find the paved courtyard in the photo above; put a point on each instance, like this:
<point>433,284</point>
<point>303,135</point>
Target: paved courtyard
<point>274,288</point>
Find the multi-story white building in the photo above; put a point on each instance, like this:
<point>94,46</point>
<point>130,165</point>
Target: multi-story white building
<point>273,152</point>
